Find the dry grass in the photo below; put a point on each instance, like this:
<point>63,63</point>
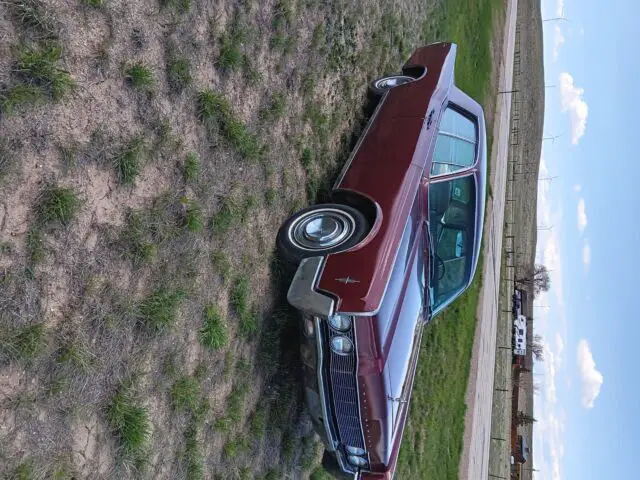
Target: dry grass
<point>176,199</point>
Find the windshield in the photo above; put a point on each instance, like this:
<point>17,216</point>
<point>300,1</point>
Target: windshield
<point>451,224</point>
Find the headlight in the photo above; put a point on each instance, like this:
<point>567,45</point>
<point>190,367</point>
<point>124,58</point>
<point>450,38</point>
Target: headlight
<point>340,322</point>
<point>354,450</point>
<point>341,345</point>
<point>357,461</point>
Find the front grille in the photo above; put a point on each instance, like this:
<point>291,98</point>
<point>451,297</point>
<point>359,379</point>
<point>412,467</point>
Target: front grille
<point>343,391</point>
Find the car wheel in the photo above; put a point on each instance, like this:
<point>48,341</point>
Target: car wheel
<point>320,230</point>
<point>381,85</point>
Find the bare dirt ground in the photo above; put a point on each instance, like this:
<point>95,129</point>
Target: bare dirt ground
<point>138,335</point>
<point>520,227</point>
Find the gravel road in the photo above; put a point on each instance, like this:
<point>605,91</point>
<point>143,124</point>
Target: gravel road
<point>475,457</point>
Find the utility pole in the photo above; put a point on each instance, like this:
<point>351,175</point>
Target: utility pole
<point>553,138</point>
<point>544,179</point>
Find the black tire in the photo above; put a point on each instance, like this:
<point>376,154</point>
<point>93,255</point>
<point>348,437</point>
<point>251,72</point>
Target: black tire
<point>291,253</point>
<point>376,90</point>
<point>331,466</point>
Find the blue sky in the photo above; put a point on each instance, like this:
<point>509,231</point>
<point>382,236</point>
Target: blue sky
<point>587,408</point>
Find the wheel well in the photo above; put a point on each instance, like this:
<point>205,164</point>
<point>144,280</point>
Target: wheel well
<point>358,201</point>
<point>415,71</point>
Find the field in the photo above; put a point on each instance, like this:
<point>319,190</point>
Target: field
<point>149,152</point>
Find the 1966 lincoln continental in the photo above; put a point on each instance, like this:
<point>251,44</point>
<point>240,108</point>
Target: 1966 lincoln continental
<point>399,242</point>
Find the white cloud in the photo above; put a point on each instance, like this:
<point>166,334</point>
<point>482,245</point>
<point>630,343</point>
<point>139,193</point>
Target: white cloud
<point>560,8</point>
<point>591,378</point>
<point>550,374</point>
<point>558,40</point>
<point>582,216</point>
<point>586,255</point>
<point>559,348</point>
<point>573,103</point>
<point>577,187</point>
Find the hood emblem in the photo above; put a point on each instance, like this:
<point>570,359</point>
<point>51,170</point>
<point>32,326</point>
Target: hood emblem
<point>347,280</point>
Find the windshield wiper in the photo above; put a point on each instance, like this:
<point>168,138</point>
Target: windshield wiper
<point>432,261</point>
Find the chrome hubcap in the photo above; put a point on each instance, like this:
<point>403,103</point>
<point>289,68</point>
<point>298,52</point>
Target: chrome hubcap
<point>321,229</point>
<point>390,82</point>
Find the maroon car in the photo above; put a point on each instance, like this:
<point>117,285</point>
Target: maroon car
<point>399,242</point>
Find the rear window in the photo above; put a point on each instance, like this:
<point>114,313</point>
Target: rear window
<point>456,143</point>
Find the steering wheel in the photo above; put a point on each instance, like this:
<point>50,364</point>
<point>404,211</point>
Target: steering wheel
<point>439,263</point>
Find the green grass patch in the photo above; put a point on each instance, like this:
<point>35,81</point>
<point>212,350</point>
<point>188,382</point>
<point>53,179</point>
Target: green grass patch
<point>240,295</point>
<point>214,333</point>
<point>193,458</point>
<point>270,196</point>
<point>185,394</point>
<point>249,323</point>
<point>236,447</point>
<point>231,56</point>
<point>130,422</point>
<point>258,423</point>
<point>39,66</point>
<point>282,39</point>
<point>251,74</point>
<point>140,77</point>
<point>470,24</point>
<point>35,245</point>
<point>191,171</point>
<point>24,471</point>
<point>274,109</point>
<point>222,264</point>
<point>320,474</point>
<point>76,355</point>
<point>319,122</point>
<point>32,16</point>
<point>177,5</point>
<point>240,301</point>
<point>93,3</point>
<point>215,112</point>
<point>24,343</point>
<point>248,206</point>
<point>135,240</point>
<point>128,162</point>
<point>21,95</point>
<point>178,73</point>
<point>159,310</point>
<point>193,216</point>
<point>235,402</point>
<point>57,205</point>
<point>224,218</point>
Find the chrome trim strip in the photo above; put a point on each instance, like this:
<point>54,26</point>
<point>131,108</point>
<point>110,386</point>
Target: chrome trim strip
<point>363,135</point>
<point>321,389</point>
<point>302,294</point>
<point>453,135</point>
<point>355,351</point>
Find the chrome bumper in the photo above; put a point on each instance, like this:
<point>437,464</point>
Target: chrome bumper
<point>303,296</point>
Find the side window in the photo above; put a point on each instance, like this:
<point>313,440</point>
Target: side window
<point>455,145</point>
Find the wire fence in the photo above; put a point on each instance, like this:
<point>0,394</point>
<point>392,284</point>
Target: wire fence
<point>500,448</point>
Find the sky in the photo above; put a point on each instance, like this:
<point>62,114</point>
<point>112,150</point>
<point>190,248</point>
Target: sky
<point>588,405</point>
